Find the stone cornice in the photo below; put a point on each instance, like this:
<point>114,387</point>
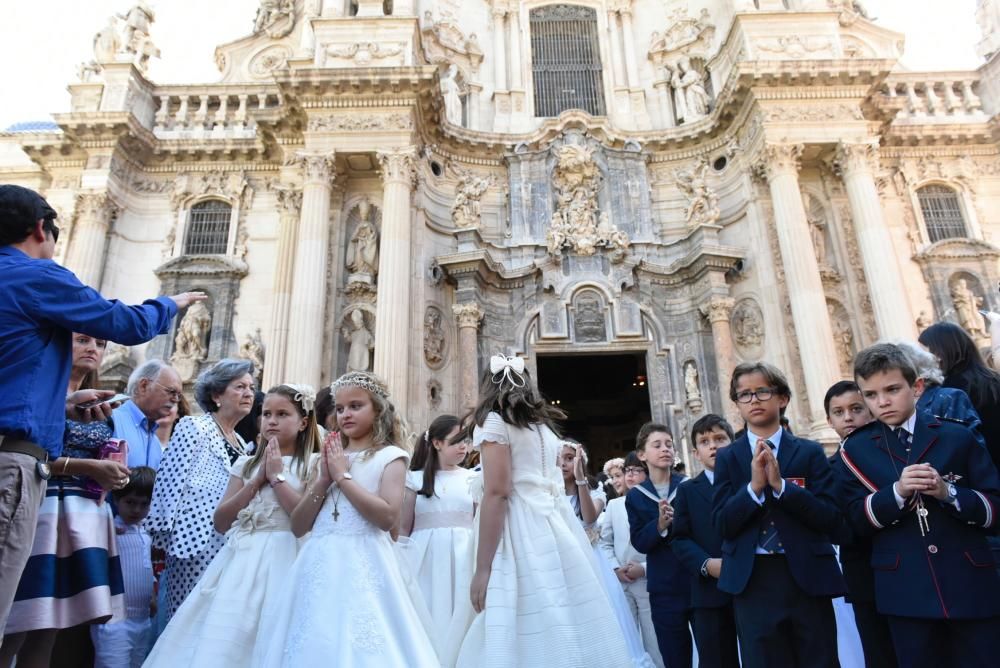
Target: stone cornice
<point>481,264</point>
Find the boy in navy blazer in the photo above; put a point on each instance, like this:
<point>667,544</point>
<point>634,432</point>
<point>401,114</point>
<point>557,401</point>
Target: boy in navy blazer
<point>699,547</point>
<point>846,411</point>
<point>775,509</point>
<point>927,493</point>
<point>650,515</point>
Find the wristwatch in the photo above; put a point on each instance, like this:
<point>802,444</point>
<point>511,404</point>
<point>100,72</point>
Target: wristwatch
<point>952,493</point>
<point>704,569</point>
<point>347,476</point>
<point>278,479</point>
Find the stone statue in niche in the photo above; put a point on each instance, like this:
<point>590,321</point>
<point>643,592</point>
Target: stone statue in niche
<point>362,256</point>
<point>967,305</point>
<point>433,337</point>
<point>691,389</point>
<point>578,223</point>
<point>690,97</point>
<point>360,342</point>
<point>191,341</point>
<point>703,203</point>
<point>253,349</point>
<point>817,229</point>
<point>588,320</point>
<point>748,325</point>
<point>843,339</point>
<point>466,212</point>
<point>452,96</point>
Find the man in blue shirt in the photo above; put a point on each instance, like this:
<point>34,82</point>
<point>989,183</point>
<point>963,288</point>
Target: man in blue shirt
<point>155,388</point>
<point>41,305</point>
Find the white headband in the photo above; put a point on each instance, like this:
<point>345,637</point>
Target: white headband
<point>305,396</point>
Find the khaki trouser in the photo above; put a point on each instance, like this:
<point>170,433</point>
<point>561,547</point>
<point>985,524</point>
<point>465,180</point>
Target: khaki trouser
<point>21,494</point>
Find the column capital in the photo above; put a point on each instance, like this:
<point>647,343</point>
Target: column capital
<point>468,314</point>
<point>777,159</point>
<point>96,207</point>
<point>317,168</point>
<point>718,309</point>
<point>499,9</point>
<point>855,158</point>
<point>398,165</point>
<point>289,200</point>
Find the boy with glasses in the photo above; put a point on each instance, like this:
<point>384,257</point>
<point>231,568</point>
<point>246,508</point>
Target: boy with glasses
<point>927,493</point>
<point>699,547</point>
<point>775,509</point>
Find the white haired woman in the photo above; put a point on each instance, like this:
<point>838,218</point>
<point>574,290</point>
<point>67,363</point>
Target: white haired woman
<point>193,477</point>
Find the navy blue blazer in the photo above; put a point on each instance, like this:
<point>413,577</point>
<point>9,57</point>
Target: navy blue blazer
<point>664,572</point>
<point>855,552</point>
<point>804,517</point>
<point>949,573</point>
<point>694,539</point>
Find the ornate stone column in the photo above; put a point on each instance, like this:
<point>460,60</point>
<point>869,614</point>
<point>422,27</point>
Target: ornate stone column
<point>289,207</point>
<point>499,49</point>
<point>780,164</point>
<point>717,310</point>
<point>885,282</point>
<point>392,310</point>
<point>308,299</point>
<point>514,24</point>
<point>86,253</point>
<point>631,68</point>
<point>468,315</point>
<point>617,71</point>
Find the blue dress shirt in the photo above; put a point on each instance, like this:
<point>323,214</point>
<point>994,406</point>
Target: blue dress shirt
<point>131,424</point>
<point>41,305</point>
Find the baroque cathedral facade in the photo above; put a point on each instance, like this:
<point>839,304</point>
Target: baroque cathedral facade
<point>634,195</point>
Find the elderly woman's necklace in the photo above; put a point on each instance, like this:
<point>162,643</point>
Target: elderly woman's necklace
<point>233,449</point>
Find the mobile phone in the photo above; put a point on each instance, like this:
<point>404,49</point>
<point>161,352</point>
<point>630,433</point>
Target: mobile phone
<point>117,399</point>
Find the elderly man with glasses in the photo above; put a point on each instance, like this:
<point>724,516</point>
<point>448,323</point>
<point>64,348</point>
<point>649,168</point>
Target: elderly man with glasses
<point>155,388</point>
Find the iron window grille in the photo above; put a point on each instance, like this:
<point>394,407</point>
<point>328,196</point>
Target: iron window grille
<point>208,228</point>
<point>942,213</point>
<point>566,60</point>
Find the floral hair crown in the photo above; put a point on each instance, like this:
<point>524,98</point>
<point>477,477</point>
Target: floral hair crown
<point>365,381</point>
<point>305,396</point>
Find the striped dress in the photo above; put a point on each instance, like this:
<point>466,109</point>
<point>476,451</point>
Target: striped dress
<point>73,575</point>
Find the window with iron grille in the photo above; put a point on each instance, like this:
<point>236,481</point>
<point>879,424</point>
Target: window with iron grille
<point>942,213</point>
<point>208,228</point>
<point>566,60</point>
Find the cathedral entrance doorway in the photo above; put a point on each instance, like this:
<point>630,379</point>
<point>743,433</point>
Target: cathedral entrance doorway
<point>606,398</point>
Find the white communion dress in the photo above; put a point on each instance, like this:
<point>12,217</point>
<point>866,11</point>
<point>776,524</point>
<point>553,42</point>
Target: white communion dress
<point>346,601</point>
<point>439,552</point>
<point>545,605</point>
<point>219,620</point>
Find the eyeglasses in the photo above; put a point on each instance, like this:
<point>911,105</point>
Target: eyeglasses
<point>746,396</point>
<point>171,392</point>
<point>634,470</point>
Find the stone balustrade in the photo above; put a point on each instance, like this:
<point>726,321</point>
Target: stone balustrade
<point>945,97</point>
<point>210,112</point>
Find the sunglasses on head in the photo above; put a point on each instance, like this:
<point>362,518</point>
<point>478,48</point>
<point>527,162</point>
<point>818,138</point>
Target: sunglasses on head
<point>54,231</point>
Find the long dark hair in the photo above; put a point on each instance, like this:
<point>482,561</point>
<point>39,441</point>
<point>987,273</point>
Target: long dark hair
<point>520,406</point>
<point>962,361</point>
<point>425,455</point>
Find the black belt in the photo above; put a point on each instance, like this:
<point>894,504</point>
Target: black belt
<point>23,447</point>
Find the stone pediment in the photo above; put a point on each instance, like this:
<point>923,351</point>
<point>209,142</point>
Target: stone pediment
<point>190,266</point>
<point>958,249</point>
<point>277,30</point>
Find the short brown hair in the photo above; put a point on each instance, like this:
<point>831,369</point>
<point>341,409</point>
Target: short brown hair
<point>647,429</point>
<point>884,357</point>
<point>771,373</point>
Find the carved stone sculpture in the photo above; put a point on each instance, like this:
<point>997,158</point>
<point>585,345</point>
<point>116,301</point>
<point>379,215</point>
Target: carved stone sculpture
<point>253,349</point>
<point>748,325</point>
<point>691,389</point>
<point>114,355</point>
<point>452,96</point>
<point>362,256</point>
<point>923,322</point>
<point>360,342</point>
<point>988,19</point>
<point>843,338</point>
<point>434,339</point>
<point>817,229</point>
<point>192,334</point>
<point>107,42</point>
<point>967,305</point>
<point>466,212</point>
<point>577,222</point>
<point>275,18</point>
<point>136,38</point>
<point>703,203</point>
<point>690,97</point>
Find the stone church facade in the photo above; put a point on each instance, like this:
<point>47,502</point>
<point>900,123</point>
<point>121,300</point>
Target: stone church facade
<point>412,185</point>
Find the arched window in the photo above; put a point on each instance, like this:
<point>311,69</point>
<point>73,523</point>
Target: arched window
<point>208,228</point>
<point>942,212</point>
<point>566,60</point>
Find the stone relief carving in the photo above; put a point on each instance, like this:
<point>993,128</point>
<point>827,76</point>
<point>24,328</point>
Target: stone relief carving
<point>703,202</point>
<point>252,349</point>
<point>191,341</point>
<point>691,101</point>
<point>813,114</point>
<point>360,341</point>
<point>843,337</point>
<point>747,325</point>
<point>362,255</point>
<point>923,321</point>
<point>443,40</point>
<point>116,354</point>
<point>588,318</point>
<point>684,36</point>
<point>796,46</point>
<point>263,65</point>
<point>275,18</point>
<point>691,390</point>
<point>466,211</point>
<point>967,304</point>
<point>357,123</point>
<point>452,94</point>
<point>434,337</point>
<point>363,54</point>
<point>863,297</point>
<point>577,222</point>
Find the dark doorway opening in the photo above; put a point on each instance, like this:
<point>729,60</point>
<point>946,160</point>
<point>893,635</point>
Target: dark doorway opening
<point>606,399</point>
